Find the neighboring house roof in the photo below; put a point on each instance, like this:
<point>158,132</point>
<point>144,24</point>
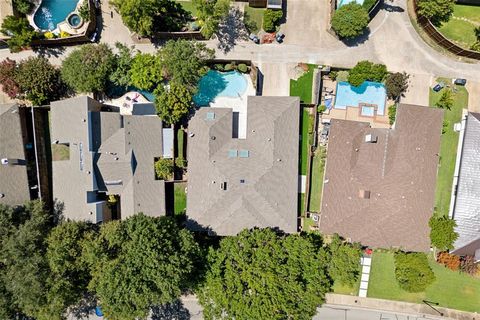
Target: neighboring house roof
<point>13,178</point>
<point>382,194</point>
<point>260,172</point>
<point>108,154</point>
<point>467,204</point>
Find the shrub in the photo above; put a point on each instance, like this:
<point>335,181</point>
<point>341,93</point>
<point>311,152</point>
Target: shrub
<point>350,20</point>
<point>219,67</point>
<point>271,18</point>
<point>392,113</point>
<point>344,264</point>
<point>23,6</point>
<point>181,163</point>
<point>7,78</point>
<point>396,84</point>
<point>321,108</point>
<point>84,11</point>
<point>445,125</point>
<point>468,265</point>
<point>446,100</point>
<point>333,75</point>
<point>242,68</point>
<point>442,232</point>
<point>229,67</point>
<point>451,261</point>
<point>49,35</point>
<point>342,75</point>
<point>366,70</point>
<point>64,34</point>
<point>412,271</point>
<point>164,169</point>
<point>437,11</point>
<point>20,31</point>
<point>475,46</point>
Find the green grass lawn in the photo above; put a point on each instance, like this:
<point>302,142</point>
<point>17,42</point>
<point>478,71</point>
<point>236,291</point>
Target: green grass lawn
<point>316,182</point>
<point>188,6</point>
<point>305,141</point>
<point>448,146</point>
<point>451,289</point>
<point>180,141</point>
<point>302,87</point>
<point>180,198</point>
<point>344,289</point>
<point>301,206</point>
<point>460,31</point>
<point>255,16</point>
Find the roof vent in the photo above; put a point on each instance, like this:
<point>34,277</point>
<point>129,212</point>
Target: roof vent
<point>364,194</point>
<point>370,138</point>
<point>223,185</point>
<point>213,137</point>
<point>2,195</point>
<point>210,116</point>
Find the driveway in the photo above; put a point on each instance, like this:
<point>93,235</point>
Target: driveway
<point>418,89</point>
<point>473,88</point>
<point>276,80</point>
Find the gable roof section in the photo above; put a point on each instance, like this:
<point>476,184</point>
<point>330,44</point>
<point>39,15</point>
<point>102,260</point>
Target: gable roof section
<point>399,172</point>
<point>260,172</point>
<point>467,204</point>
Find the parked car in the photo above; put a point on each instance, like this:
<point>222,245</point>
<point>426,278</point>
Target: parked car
<point>254,38</point>
<point>439,86</point>
<point>460,82</point>
<point>279,37</point>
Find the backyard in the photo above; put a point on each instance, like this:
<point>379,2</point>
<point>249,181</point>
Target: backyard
<point>461,26</point>
<point>451,289</point>
<point>448,145</point>
<point>302,87</point>
<point>180,198</point>
<point>316,181</point>
<point>306,124</point>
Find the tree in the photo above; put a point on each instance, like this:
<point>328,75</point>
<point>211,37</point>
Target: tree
<point>164,168</point>
<point>87,69</point>
<point>437,11</point>
<point>23,6</point>
<point>412,271</point>
<point>185,62</point>
<point>146,71</point>
<point>84,11</point>
<point>271,19</point>
<point>173,103</point>
<point>210,13</point>
<point>350,20</point>
<point>38,80</point>
<point>68,273</point>
<point>259,274</point>
<point>147,16</point>
<point>139,262</point>
<point>123,62</point>
<point>20,32</point>
<point>442,232</point>
<point>396,84</point>
<point>10,86</point>
<point>366,70</point>
<point>446,100</point>
<point>344,266</point>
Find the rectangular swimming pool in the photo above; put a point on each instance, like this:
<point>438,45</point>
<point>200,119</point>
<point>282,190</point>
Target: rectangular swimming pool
<point>344,2</point>
<point>370,93</point>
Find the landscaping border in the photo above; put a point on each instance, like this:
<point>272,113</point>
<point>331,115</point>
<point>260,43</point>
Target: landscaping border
<point>441,40</point>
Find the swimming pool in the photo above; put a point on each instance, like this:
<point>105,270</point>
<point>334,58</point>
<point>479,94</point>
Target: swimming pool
<point>52,12</point>
<point>367,93</point>
<point>344,2</point>
<point>220,84</point>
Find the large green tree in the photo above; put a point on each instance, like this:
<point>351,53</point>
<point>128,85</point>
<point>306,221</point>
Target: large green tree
<point>87,69</point>
<point>210,13</point>
<point>20,32</point>
<point>442,232</point>
<point>350,20</point>
<point>146,71</point>
<point>39,81</point>
<point>344,265</point>
<point>271,19</point>
<point>412,271</point>
<point>366,70</point>
<point>185,62</point>
<point>396,84</point>
<point>139,262</point>
<point>446,100</point>
<point>437,11</point>
<point>123,62</point>
<point>259,274</point>
<point>173,103</point>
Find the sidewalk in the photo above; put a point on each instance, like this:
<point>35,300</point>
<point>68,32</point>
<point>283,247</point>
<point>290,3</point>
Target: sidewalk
<point>398,307</point>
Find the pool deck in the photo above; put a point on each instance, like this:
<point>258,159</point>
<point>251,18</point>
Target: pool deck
<point>238,105</point>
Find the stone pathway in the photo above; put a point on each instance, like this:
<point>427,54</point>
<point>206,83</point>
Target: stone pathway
<point>366,263</point>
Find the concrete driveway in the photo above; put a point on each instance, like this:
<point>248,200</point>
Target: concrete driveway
<point>418,89</point>
<point>276,80</point>
<point>473,88</point>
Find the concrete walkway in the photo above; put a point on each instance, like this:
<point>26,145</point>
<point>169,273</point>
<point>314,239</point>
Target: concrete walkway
<point>423,310</point>
<point>366,263</point>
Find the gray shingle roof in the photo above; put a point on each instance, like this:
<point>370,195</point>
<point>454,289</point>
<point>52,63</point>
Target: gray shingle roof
<point>109,154</point>
<point>13,178</point>
<point>399,171</point>
<point>261,184</point>
<point>467,205</point>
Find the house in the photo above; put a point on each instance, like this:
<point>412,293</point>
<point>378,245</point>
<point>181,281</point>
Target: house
<point>97,152</point>
<point>237,183</point>
<point>17,182</point>
<point>466,212</point>
<point>379,185</point>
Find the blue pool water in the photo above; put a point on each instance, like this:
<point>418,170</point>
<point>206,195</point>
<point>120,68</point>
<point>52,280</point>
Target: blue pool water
<point>367,111</point>
<point>344,2</point>
<point>368,93</point>
<point>52,12</point>
<point>220,84</point>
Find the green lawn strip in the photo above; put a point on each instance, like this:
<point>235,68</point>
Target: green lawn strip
<point>451,289</point>
<point>448,146</point>
<point>316,182</point>
<point>304,143</point>
<point>188,6</point>
<point>459,31</point>
<point>180,141</point>
<point>469,12</point>
<point>301,206</point>
<point>302,87</point>
<point>256,15</point>
<point>180,198</point>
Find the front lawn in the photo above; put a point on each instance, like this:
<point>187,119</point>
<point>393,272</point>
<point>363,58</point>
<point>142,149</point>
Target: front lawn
<point>448,146</point>
<point>180,198</point>
<point>451,289</point>
<point>461,26</point>
<point>302,87</point>
<point>316,181</point>
<point>253,18</point>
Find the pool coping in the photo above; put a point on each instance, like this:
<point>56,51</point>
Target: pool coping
<point>31,20</point>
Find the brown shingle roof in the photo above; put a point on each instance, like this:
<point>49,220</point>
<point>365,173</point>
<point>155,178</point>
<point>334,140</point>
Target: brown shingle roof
<point>399,171</point>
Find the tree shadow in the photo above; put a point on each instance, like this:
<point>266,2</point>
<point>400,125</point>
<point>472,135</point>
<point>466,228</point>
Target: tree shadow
<point>392,8</point>
<point>231,30</point>
<point>174,310</point>
<point>84,308</point>
<point>358,40</point>
<point>49,52</point>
